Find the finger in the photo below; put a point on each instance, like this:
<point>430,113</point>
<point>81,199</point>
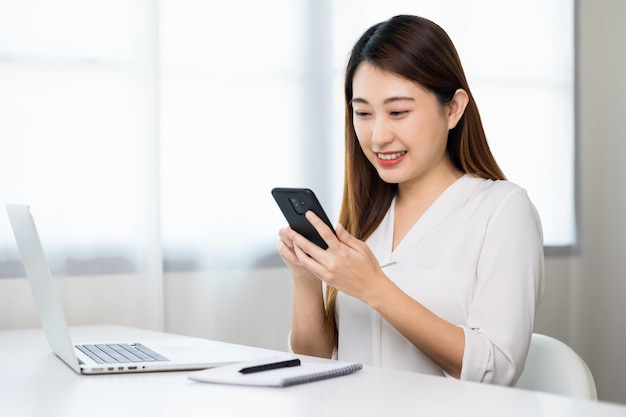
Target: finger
<point>285,237</point>
<point>287,253</point>
<point>322,228</point>
<point>346,238</point>
<point>293,239</point>
<point>305,249</point>
<point>301,255</point>
<point>307,260</point>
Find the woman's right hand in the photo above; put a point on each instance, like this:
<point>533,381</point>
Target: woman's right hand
<point>308,320</point>
<point>287,252</point>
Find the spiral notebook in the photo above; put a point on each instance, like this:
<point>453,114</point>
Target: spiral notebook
<point>308,371</point>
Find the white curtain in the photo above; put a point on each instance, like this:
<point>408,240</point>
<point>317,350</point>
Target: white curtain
<point>149,133</point>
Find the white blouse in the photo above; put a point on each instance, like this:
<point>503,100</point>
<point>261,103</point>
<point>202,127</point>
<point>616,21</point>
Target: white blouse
<point>474,258</point>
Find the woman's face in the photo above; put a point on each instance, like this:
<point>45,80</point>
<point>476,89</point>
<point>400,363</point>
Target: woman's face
<point>401,127</point>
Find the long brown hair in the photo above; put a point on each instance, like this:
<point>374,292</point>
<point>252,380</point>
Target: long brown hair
<point>418,50</point>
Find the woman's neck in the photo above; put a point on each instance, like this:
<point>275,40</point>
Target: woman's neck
<point>425,190</point>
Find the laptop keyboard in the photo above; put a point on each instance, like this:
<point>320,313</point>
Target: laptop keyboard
<point>120,353</point>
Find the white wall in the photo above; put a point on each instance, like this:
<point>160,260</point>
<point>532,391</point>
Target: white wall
<point>598,297</point>
<point>585,301</point>
<point>251,308</point>
<point>247,307</point>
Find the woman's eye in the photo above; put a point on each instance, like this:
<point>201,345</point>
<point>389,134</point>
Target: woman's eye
<point>361,113</point>
<point>398,113</point>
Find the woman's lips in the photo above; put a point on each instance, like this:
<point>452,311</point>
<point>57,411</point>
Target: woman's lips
<point>389,159</point>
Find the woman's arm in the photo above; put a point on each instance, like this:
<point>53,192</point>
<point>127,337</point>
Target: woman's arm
<point>441,341</point>
<point>308,334</point>
<point>492,345</point>
<point>349,265</point>
<point>308,331</point>
<point>509,286</point>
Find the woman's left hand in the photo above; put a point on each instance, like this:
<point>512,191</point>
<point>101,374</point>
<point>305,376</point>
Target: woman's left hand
<point>347,264</point>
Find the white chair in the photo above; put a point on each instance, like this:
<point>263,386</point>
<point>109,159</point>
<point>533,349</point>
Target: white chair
<point>554,367</point>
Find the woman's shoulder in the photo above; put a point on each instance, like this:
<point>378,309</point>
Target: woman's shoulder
<point>485,185</point>
<point>501,201</point>
<point>495,190</point>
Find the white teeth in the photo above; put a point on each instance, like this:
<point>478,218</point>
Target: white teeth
<point>390,156</point>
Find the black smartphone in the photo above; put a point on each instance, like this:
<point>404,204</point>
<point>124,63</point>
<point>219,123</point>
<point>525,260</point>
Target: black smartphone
<point>294,202</point>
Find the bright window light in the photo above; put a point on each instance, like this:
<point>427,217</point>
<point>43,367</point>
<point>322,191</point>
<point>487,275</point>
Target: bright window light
<point>135,126</point>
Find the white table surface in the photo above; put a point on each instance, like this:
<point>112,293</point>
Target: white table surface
<point>34,382</point>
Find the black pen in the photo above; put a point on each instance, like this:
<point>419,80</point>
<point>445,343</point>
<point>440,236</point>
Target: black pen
<point>269,366</point>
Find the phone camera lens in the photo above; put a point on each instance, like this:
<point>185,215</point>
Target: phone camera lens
<point>298,205</point>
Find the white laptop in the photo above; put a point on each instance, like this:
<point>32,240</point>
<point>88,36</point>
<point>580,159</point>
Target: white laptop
<point>103,356</point>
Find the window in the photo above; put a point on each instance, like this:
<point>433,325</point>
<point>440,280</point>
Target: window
<point>132,127</point>
<point>519,61</point>
<point>77,127</point>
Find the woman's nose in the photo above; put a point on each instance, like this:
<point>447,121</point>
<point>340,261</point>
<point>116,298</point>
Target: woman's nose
<point>381,132</point>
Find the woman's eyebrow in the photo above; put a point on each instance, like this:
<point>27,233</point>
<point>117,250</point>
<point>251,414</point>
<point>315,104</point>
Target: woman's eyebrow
<point>358,100</point>
<point>387,101</point>
<point>400,98</point>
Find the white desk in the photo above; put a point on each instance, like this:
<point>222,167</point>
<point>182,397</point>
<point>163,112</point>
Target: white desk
<point>45,386</point>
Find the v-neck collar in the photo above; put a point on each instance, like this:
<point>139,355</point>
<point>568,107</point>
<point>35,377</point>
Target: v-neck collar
<point>447,203</point>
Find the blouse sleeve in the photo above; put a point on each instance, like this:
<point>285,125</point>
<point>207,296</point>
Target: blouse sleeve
<point>509,286</point>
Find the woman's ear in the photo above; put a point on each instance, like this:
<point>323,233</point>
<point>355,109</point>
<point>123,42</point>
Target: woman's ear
<point>456,107</point>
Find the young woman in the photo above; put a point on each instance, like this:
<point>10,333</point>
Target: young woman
<point>437,263</point>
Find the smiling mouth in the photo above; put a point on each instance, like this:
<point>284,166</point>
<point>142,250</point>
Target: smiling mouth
<point>390,156</point>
